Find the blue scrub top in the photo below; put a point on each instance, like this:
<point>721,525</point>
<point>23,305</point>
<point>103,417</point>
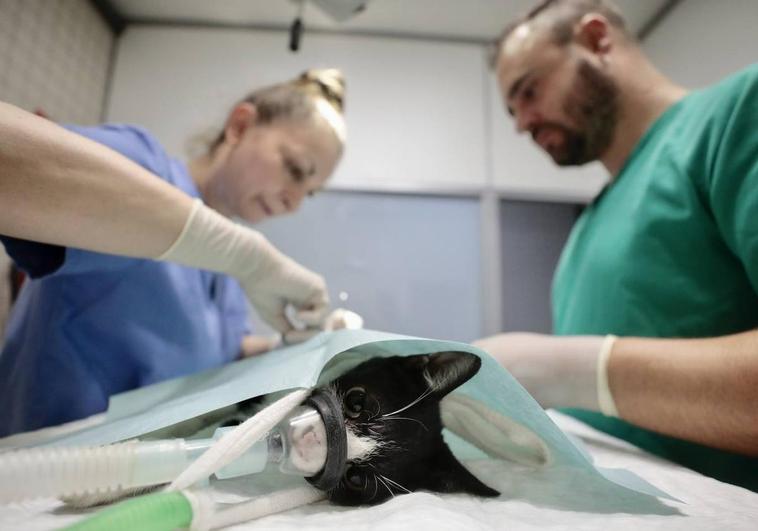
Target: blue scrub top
<point>91,325</point>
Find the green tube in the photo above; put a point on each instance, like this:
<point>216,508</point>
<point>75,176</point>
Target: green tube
<point>162,511</point>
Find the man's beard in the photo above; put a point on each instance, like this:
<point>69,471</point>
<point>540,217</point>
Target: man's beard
<point>593,106</point>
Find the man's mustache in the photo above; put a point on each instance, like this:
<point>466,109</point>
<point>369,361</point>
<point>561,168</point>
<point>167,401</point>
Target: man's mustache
<point>536,130</point>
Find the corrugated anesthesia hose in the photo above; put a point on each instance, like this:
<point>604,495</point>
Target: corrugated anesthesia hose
<point>66,472</point>
<point>165,511</point>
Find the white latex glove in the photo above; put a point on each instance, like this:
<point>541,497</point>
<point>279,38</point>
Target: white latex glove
<point>271,280</point>
<point>558,371</point>
<point>338,319</point>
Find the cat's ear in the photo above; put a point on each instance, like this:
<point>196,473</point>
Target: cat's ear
<point>445,371</point>
<point>447,474</point>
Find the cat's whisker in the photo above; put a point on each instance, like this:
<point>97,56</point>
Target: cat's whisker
<point>378,476</point>
<point>375,414</point>
<point>423,395</point>
<point>407,418</point>
<point>376,488</point>
<point>385,485</point>
<point>396,484</point>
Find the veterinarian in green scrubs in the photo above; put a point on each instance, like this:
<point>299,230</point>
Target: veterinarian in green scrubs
<point>665,257</point>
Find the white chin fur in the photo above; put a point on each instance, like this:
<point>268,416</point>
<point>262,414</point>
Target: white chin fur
<point>359,447</point>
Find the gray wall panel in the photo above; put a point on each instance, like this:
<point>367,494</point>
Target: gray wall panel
<point>409,264</point>
<point>533,235</point>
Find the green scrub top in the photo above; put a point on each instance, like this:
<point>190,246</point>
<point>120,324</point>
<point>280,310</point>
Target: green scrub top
<point>670,249</point>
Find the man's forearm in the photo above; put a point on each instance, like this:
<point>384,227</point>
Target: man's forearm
<point>58,187</point>
<point>703,390</point>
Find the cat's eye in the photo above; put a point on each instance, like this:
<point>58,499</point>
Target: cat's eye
<point>354,478</point>
<point>355,402</point>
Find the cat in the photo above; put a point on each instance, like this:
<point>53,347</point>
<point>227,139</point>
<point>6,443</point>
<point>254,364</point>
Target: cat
<point>391,409</point>
<point>394,403</point>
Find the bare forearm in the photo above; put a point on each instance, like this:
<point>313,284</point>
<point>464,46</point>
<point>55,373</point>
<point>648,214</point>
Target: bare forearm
<point>255,345</point>
<point>58,187</point>
<point>703,390</point>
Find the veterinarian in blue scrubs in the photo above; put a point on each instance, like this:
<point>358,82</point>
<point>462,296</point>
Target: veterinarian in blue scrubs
<point>666,257</point>
<point>89,325</point>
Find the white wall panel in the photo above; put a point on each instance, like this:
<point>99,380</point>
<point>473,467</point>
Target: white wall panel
<point>702,41</point>
<point>414,108</point>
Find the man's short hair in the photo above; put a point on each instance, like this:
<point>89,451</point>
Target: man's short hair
<point>563,16</point>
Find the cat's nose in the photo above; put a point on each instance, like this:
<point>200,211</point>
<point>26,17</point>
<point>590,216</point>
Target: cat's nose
<point>308,450</point>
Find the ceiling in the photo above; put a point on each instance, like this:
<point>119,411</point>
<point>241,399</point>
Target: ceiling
<point>476,20</point>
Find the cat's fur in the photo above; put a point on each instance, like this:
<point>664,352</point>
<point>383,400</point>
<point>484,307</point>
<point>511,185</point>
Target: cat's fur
<point>381,400</point>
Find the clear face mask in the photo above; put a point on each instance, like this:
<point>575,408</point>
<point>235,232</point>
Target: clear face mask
<point>297,445</point>
<point>310,442</point>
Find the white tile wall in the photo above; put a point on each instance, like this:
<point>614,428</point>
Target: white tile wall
<point>54,55</point>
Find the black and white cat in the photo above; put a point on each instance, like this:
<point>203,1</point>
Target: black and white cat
<point>393,406</point>
<point>392,410</point>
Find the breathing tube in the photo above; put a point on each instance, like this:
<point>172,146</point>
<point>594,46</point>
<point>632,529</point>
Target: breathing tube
<point>302,433</point>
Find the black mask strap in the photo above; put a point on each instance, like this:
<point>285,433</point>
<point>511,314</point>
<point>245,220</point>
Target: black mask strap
<point>330,409</point>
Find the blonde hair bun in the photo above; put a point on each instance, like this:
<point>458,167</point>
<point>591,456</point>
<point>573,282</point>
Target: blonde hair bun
<point>319,92</point>
<point>330,84</point>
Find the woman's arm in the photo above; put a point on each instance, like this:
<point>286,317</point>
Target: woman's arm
<point>58,187</point>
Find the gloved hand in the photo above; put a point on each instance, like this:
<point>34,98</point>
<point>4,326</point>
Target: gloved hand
<point>558,371</point>
<point>271,280</point>
<point>338,319</point>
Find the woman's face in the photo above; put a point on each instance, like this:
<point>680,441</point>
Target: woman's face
<point>265,170</point>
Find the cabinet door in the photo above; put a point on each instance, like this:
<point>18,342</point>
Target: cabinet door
<point>532,237</point>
